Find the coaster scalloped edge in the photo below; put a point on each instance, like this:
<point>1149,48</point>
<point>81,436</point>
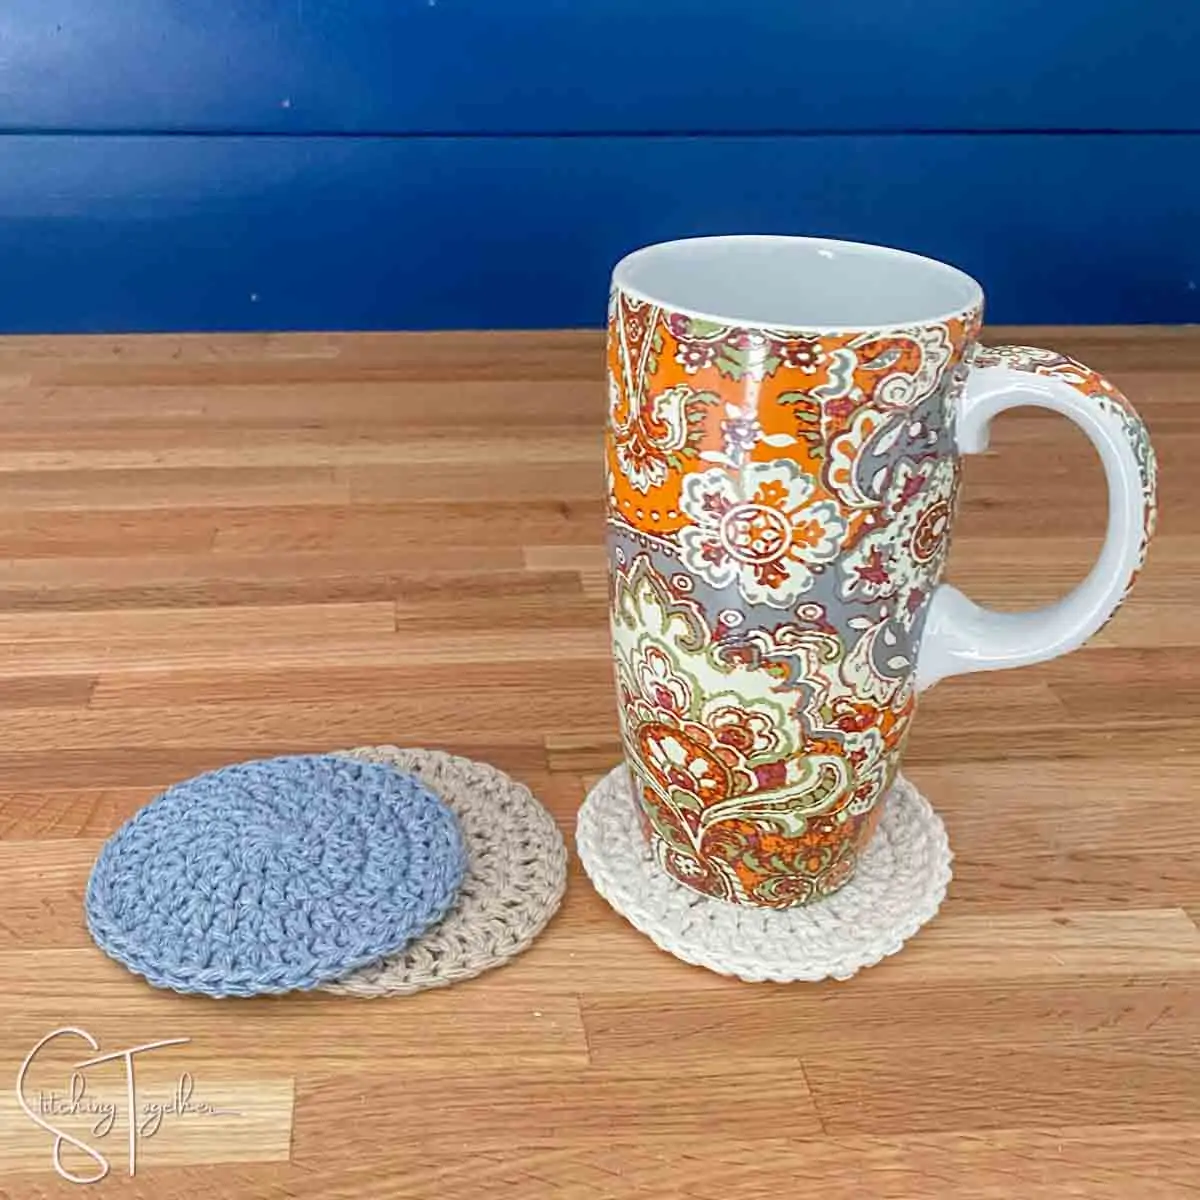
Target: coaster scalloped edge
<point>860,925</point>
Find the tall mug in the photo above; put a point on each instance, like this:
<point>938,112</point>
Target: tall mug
<point>786,422</point>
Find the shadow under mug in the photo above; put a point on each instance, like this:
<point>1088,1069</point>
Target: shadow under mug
<point>786,420</point>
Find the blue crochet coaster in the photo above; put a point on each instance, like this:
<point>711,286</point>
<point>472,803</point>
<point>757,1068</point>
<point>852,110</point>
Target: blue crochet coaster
<point>275,875</point>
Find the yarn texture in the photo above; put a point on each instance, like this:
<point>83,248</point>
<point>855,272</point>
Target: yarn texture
<point>514,883</point>
<point>274,875</point>
<point>900,882</point>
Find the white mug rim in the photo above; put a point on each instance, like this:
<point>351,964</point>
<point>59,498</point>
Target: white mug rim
<point>970,300</point>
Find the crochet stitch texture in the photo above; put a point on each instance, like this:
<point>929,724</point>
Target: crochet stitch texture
<point>516,875</point>
<point>274,875</point>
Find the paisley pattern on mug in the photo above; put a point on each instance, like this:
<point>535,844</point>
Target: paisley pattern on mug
<point>779,508</point>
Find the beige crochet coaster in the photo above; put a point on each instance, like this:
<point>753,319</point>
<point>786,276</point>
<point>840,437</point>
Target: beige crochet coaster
<point>514,883</point>
<point>900,882</point>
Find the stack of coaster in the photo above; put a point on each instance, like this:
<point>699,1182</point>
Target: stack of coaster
<point>900,882</point>
<point>515,878</point>
<point>328,871</point>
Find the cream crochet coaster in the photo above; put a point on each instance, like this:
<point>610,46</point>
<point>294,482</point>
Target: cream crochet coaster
<point>515,878</point>
<point>900,882</point>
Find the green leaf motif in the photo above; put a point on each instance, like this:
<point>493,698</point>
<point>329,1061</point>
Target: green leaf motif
<point>694,412</point>
<point>808,418</point>
<point>732,363</point>
<point>736,364</point>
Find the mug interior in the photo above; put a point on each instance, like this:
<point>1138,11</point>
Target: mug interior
<point>810,284</point>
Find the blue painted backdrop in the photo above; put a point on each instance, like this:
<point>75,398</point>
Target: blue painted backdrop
<point>243,164</point>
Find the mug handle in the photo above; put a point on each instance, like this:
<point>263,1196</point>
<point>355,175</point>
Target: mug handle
<point>961,636</point>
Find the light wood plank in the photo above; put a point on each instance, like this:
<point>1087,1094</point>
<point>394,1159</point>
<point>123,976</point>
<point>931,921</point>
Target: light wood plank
<point>936,1017</point>
<point>881,1091</point>
<point>599,1107</point>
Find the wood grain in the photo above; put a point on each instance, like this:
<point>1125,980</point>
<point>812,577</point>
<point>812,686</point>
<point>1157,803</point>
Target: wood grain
<point>219,547</point>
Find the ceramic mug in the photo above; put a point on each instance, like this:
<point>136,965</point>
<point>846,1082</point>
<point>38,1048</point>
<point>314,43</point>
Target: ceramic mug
<point>785,425</point>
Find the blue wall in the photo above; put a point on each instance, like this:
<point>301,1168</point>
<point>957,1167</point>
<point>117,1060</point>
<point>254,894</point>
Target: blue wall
<point>244,164</point>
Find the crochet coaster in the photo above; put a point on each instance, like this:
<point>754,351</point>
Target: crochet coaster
<point>516,875</point>
<point>274,875</point>
<point>900,882</point>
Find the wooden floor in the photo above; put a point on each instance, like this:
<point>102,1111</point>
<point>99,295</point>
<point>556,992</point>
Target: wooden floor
<point>219,548</point>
